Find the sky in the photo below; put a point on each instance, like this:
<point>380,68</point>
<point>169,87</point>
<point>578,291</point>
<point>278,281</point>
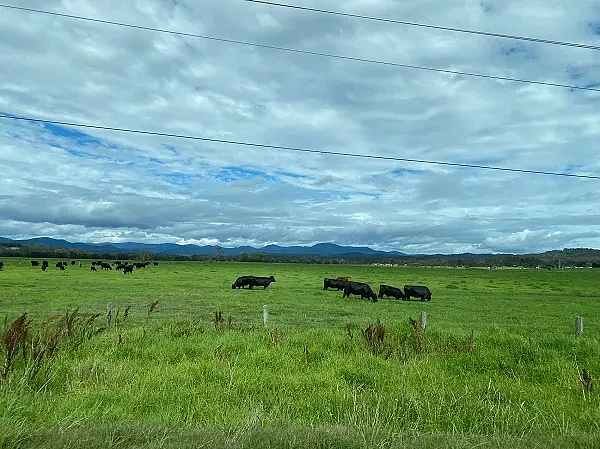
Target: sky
<point>104,186</point>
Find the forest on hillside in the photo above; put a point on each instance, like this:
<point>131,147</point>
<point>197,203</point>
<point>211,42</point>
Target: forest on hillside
<point>570,257</point>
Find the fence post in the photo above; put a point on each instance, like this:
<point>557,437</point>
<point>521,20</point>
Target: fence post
<point>266,314</point>
<point>424,320</point>
<point>109,314</point>
<point>579,325</point>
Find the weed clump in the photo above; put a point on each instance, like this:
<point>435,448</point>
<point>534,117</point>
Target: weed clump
<point>31,352</point>
<point>373,336</point>
<point>150,310</point>
<point>587,382</point>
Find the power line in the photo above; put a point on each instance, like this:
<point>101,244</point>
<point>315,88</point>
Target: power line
<point>306,52</point>
<point>296,149</point>
<point>437,27</point>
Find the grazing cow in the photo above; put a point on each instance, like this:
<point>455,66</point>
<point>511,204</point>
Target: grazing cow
<point>141,264</point>
<point>34,263</point>
<point>106,266</point>
<point>359,288</point>
<point>128,269</point>
<point>93,268</point>
<point>333,283</point>
<point>73,262</point>
<point>417,291</point>
<point>343,278</point>
<point>44,267</point>
<point>80,265</point>
<point>156,264</point>
<point>241,282</point>
<point>62,268</point>
<point>1,265</point>
<point>261,281</point>
<point>120,266</point>
<point>45,262</point>
<point>388,290</point>
<point>58,264</point>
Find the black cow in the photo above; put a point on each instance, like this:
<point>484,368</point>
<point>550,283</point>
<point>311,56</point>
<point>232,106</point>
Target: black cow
<point>73,262</point>
<point>120,266</point>
<point>261,281</point>
<point>128,269</point>
<point>241,282</point>
<point>35,263</point>
<point>1,265</point>
<point>45,262</point>
<point>417,291</point>
<point>359,288</point>
<point>44,267</point>
<point>156,264</point>
<point>93,268</point>
<point>388,290</point>
<point>62,268</point>
<point>58,264</point>
<point>334,283</point>
<point>106,266</point>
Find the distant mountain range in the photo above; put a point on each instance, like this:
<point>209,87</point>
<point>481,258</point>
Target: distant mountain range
<point>320,249</point>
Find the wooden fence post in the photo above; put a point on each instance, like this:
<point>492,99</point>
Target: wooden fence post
<point>424,320</point>
<point>109,314</point>
<point>579,325</point>
<point>266,314</point>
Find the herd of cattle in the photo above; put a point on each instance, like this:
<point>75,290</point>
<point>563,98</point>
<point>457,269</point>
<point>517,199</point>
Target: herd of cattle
<point>61,265</point>
<point>340,283</point>
<point>349,288</point>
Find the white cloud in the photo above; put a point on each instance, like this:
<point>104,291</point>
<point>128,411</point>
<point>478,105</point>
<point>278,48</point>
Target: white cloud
<point>95,185</point>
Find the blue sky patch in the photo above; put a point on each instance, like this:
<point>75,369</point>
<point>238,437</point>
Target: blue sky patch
<point>573,168</point>
<point>347,196</point>
<point>404,171</point>
<point>172,149</point>
<point>71,134</point>
<point>375,196</point>
<point>230,174</point>
<point>293,175</point>
<point>486,7</point>
<point>593,85</point>
<point>85,154</point>
<point>574,73</point>
<point>487,161</point>
<point>518,50</point>
<point>176,178</point>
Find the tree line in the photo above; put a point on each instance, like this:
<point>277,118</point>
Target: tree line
<point>570,257</point>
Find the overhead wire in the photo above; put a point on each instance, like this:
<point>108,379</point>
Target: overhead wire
<point>294,149</point>
<point>306,52</point>
<point>424,25</point>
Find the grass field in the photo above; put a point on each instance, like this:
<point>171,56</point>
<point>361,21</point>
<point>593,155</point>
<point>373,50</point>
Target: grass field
<point>310,379</point>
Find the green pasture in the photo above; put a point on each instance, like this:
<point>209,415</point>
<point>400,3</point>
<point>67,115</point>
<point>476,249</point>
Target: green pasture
<point>499,364</point>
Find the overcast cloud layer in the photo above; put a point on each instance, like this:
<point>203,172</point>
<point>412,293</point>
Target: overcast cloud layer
<point>97,186</point>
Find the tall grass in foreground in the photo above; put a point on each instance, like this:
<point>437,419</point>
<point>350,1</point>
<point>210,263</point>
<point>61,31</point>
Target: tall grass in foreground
<point>373,380</point>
